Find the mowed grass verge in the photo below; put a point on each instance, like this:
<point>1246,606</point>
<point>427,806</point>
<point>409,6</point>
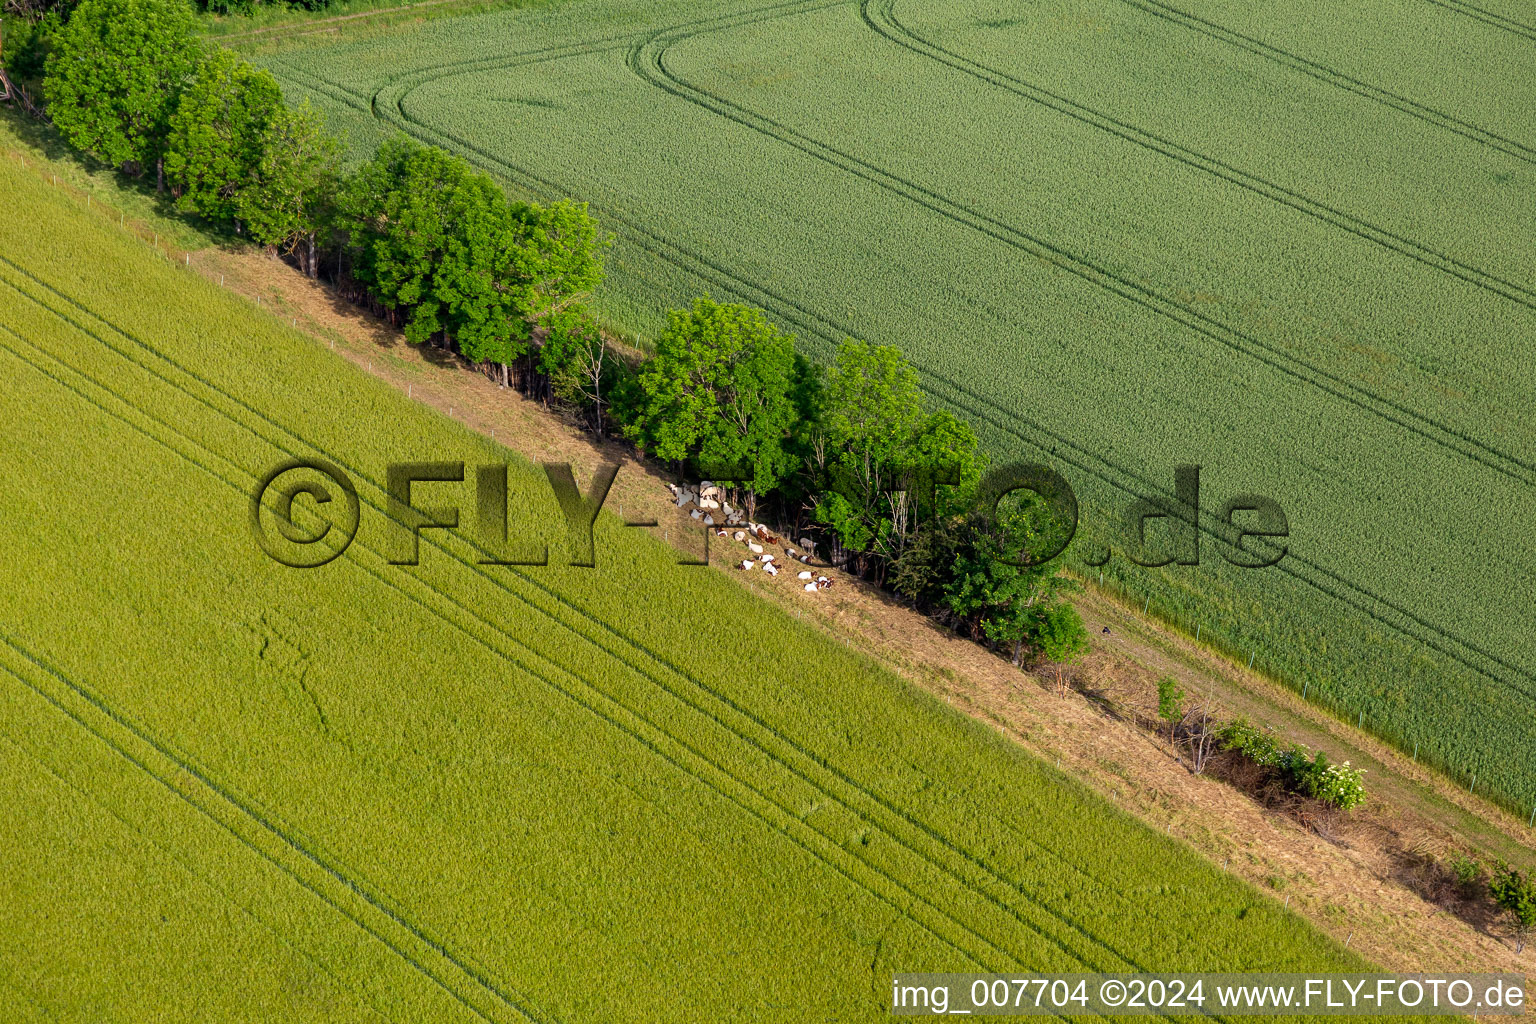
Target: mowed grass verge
<point>458,791</point>
<point>1097,235</point>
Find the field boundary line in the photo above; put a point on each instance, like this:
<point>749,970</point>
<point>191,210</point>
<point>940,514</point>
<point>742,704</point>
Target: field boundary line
<point>1336,78</point>
<point>181,863</point>
<point>697,265</point>
<point>983,888</point>
<point>651,745</point>
<point>881,16</point>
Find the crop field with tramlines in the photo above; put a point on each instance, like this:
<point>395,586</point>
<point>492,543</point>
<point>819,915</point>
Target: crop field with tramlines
<point>1292,245</point>
<point>460,791</point>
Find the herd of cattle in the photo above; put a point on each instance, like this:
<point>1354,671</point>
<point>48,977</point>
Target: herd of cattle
<point>709,503</point>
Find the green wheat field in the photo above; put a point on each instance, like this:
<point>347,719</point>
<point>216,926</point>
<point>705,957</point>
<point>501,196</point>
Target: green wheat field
<point>1293,244</point>
<point>455,791</point>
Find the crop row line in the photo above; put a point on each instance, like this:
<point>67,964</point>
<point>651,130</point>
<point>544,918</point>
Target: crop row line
<point>844,801</point>
<point>1361,599</point>
<point>649,63</point>
<point>243,805</point>
<point>1488,17</point>
<point>880,15</point>
<point>200,876</point>
<point>1336,78</point>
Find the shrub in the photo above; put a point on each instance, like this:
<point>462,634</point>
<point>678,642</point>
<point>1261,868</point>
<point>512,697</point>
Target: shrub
<point>1170,702</point>
<point>1337,785</point>
<point>1467,870</point>
<point>1249,740</point>
<point>1515,893</point>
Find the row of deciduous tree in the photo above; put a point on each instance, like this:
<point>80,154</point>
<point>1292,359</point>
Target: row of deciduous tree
<point>856,447</point>
<point>853,448</point>
<point>128,83</point>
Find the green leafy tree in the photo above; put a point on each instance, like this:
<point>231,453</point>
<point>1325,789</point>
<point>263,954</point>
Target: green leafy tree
<point>561,258</point>
<point>872,411</point>
<point>217,132</point>
<point>1515,893</point>
<point>398,213</point>
<point>1170,702</point>
<point>946,464</point>
<point>290,192</point>
<point>1014,606</point>
<point>27,28</point>
<point>443,245</point>
<point>478,278</point>
<point>1058,632</point>
<point>925,565</point>
<point>516,269</point>
<point>114,75</point>
<point>717,392</point>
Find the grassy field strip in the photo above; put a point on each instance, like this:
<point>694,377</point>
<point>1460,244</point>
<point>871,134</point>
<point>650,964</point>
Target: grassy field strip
<point>202,882</point>
<point>22,1001</point>
<point>1495,458</point>
<point>540,795</point>
<point>992,882</point>
<point>654,745</point>
<point>275,842</point>
<point>824,778</point>
<point>331,453</point>
<point>1324,73</point>
<point>816,325</point>
<point>881,16</point>
<point>1421,50</point>
<point>650,63</point>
